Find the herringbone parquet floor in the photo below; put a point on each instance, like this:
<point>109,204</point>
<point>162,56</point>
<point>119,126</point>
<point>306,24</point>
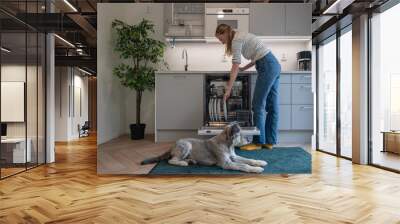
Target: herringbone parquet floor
<point>70,191</point>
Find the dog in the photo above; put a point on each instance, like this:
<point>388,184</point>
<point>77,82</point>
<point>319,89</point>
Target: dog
<point>218,150</point>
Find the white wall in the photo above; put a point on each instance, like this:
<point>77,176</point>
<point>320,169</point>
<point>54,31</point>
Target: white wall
<point>116,105</point>
<point>16,72</point>
<point>33,126</point>
<point>66,122</point>
<point>81,82</point>
<point>209,56</point>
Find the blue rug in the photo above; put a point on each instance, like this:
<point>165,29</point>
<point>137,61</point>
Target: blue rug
<point>281,160</point>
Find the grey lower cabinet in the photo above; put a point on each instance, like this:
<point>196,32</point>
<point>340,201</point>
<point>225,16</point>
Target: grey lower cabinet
<point>302,117</point>
<point>302,102</point>
<point>179,101</point>
<point>301,78</point>
<point>301,94</point>
<point>285,93</point>
<point>295,107</point>
<point>285,117</point>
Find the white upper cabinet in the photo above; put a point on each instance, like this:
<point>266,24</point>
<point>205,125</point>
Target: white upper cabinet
<point>278,19</point>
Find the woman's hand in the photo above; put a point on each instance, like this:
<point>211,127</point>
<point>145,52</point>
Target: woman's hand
<point>242,69</point>
<point>227,94</point>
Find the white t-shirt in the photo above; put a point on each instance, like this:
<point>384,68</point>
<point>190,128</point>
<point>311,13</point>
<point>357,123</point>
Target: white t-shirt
<point>248,45</point>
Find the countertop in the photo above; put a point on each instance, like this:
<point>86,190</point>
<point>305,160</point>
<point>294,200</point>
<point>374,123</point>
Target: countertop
<point>223,72</point>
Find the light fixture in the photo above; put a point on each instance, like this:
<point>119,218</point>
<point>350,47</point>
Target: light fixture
<point>285,38</point>
<point>64,40</point>
<point>70,5</point>
<point>84,71</point>
<point>337,7</point>
<point>174,40</point>
<point>5,50</point>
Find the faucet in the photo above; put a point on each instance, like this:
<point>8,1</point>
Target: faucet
<point>184,53</point>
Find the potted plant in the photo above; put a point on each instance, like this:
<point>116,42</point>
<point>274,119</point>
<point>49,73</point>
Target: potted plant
<point>142,55</point>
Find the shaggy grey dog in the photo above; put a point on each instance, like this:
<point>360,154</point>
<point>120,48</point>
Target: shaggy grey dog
<point>218,150</point>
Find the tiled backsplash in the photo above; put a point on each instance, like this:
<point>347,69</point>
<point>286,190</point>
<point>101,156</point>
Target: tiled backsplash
<point>210,56</point>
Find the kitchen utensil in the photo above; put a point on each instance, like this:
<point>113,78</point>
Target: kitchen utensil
<point>212,109</point>
<point>225,112</point>
<point>210,113</point>
<point>220,90</point>
<point>304,60</point>
<point>215,109</point>
<point>218,105</point>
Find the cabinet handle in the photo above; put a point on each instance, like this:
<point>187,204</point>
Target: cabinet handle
<point>305,87</point>
<point>306,108</point>
<point>307,76</point>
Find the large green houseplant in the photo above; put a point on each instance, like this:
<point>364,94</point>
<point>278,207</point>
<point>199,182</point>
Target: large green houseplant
<point>142,55</point>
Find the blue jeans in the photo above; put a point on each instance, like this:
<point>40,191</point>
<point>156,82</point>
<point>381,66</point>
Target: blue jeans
<point>265,99</point>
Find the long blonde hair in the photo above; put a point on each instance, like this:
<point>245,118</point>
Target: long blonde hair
<point>222,29</point>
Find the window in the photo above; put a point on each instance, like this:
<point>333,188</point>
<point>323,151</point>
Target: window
<point>385,87</point>
<point>346,95</point>
<point>327,96</point>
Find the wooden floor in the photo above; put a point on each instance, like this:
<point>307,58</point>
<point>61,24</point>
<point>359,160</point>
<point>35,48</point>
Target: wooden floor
<point>386,159</point>
<point>10,171</point>
<point>123,156</point>
<point>70,191</point>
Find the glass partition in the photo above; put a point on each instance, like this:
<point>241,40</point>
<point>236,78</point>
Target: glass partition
<point>22,78</point>
<point>14,153</point>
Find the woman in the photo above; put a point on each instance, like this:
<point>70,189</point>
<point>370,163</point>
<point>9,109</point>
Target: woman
<point>266,92</point>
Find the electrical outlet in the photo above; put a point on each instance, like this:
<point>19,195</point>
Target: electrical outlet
<point>224,59</point>
<point>284,57</point>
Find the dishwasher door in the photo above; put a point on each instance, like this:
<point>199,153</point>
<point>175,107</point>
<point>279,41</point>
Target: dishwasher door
<point>245,131</point>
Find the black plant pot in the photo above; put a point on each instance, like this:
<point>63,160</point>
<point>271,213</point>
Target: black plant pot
<point>137,131</point>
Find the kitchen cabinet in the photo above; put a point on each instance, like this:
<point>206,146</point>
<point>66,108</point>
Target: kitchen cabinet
<point>278,19</point>
<point>285,117</point>
<point>184,20</point>
<point>302,117</point>
<point>227,5</point>
<point>301,94</point>
<point>179,101</point>
<point>302,78</point>
<point>298,19</point>
<point>188,8</point>
<point>295,101</point>
<point>285,93</point>
<point>285,78</point>
<point>179,106</point>
<point>267,19</point>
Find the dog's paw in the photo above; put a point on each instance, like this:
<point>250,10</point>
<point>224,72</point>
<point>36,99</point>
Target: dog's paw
<point>261,163</point>
<point>257,170</point>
